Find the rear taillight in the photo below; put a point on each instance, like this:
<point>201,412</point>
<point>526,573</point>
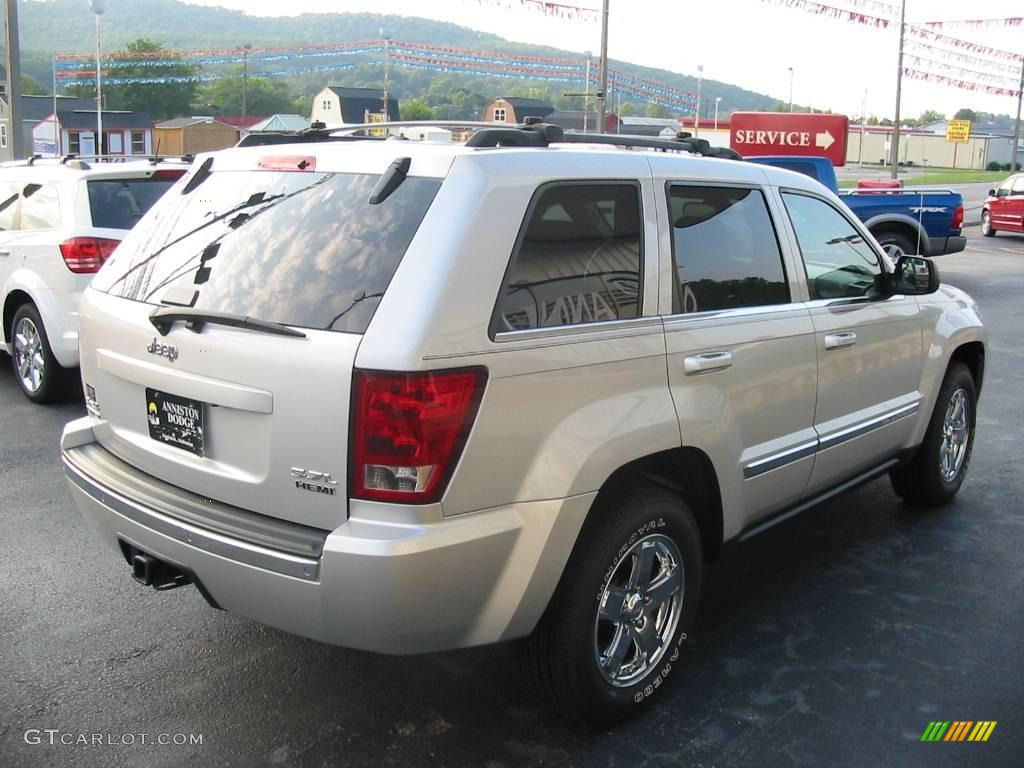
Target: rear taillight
<point>85,255</point>
<point>958,217</point>
<point>408,431</point>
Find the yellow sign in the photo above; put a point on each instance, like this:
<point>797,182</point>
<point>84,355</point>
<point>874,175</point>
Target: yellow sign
<point>958,131</point>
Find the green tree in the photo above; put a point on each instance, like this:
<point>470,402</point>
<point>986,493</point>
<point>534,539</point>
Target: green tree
<point>930,116</point>
<point>158,99</point>
<point>627,109</point>
<point>655,110</point>
<point>263,96</point>
<point>780,107</point>
<point>966,114</point>
<point>32,87</point>
<point>417,109</point>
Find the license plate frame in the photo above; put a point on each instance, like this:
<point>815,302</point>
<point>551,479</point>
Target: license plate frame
<point>176,421</point>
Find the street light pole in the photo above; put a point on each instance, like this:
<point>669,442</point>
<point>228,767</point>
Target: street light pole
<point>602,92</point>
<point>586,93</point>
<point>790,89</point>
<point>696,113</point>
<point>899,88</point>
<point>245,75</point>
<point>98,7</point>
<point>718,99</point>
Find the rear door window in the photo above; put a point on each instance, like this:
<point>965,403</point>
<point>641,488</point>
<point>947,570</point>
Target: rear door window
<point>303,249</point>
<point>578,260</point>
<point>726,252</point>
<point>120,203</point>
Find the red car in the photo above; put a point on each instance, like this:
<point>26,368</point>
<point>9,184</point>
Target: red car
<point>1004,208</point>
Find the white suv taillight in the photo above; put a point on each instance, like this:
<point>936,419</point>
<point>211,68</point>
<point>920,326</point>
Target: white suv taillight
<point>85,255</point>
<point>408,431</point>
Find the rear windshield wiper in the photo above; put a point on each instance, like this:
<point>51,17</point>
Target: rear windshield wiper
<point>165,317</point>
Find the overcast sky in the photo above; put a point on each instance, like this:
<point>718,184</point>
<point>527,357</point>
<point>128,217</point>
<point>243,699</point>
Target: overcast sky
<point>750,43</point>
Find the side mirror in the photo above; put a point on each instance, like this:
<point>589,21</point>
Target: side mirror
<point>991,193</point>
<point>915,276</point>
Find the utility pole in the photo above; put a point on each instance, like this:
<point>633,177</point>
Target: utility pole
<point>602,92</point>
<point>899,88</point>
<point>790,89</point>
<point>1016,126</point>
<point>696,112</point>
<point>13,62</point>
<point>863,118</point>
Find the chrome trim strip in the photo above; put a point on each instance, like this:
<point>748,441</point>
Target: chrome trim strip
<point>207,541</point>
<point>788,456</point>
<point>863,428</point>
<point>609,326</point>
<point>741,313</point>
<point>781,459</point>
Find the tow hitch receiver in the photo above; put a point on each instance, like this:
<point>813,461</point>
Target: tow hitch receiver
<point>151,572</point>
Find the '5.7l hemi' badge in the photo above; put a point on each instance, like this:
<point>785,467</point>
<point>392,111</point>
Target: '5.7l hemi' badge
<point>317,482</point>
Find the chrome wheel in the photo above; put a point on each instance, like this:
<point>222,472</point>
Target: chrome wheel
<point>893,251</point>
<point>639,610</point>
<point>986,224</point>
<point>956,432</point>
<point>28,355</point>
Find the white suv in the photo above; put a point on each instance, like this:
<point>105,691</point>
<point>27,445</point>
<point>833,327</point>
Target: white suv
<point>59,220</point>
<point>407,397</point>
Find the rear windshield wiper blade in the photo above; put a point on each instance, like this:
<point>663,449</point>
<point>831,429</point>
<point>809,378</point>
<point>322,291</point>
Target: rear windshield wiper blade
<point>165,317</point>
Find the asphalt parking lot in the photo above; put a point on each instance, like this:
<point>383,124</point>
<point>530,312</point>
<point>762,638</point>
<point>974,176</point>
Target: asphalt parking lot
<point>831,640</point>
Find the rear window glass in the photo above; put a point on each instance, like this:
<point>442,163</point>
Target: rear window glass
<point>120,203</point>
<point>303,249</point>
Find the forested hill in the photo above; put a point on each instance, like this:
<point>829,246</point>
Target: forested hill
<point>51,26</point>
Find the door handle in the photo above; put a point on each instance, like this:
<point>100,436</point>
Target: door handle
<point>839,340</point>
<point>710,361</point>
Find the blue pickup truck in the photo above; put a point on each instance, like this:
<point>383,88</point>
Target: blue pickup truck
<point>914,221</point>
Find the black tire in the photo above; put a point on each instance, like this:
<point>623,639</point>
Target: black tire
<point>53,380</point>
<point>986,225</point>
<point>893,240</point>
<point>560,660</point>
<point>922,482</point>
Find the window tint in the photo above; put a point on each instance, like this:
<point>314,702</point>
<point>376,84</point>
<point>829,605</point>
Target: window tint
<point>579,259</point>
<point>725,249</point>
<point>120,203</point>
<point>303,249</point>
<point>839,263</point>
<point>40,208</point>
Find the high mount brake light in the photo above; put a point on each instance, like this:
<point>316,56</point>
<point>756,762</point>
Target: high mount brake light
<point>408,431</point>
<point>305,163</point>
<point>166,174</point>
<point>85,255</point>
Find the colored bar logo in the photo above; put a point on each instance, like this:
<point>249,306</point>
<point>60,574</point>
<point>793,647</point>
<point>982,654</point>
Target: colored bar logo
<point>958,730</point>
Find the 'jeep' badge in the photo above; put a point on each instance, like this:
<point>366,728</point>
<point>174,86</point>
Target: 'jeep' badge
<point>163,350</point>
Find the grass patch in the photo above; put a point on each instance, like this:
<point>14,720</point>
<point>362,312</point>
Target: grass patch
<point>938,178</point>
<point>955,177</point>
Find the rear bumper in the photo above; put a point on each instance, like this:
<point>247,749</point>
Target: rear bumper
<point>940,246</point>
<point>377,584</point>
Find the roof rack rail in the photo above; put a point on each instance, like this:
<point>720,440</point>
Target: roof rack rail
<point>32,159</point>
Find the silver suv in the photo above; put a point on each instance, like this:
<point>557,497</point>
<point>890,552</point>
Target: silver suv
<point>406,397</point>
